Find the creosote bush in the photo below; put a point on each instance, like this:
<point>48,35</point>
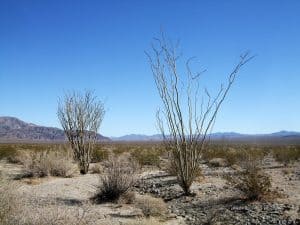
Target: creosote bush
<point>251,180</point>
<point>287,154</point>
<point>119,179</point>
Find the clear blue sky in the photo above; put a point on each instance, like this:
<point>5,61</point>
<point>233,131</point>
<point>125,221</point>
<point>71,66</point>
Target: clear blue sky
<point>48,47</point>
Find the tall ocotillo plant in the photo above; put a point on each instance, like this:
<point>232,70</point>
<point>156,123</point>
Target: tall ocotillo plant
<point>80,116</point>
<point>188,121</point>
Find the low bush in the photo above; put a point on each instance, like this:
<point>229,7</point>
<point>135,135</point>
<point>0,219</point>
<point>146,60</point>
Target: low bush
<point>119,179</point>
<point>7,151</point>
<point>232,155</point>
<point>8,200</point>
<point>99,155</point>
<point>97,168</point>
<point>151,206</point>
<point>127,198</point>
<point>148,157</point>
<point>251,180</point>
<point>41,164</point>
<point>287,154</point>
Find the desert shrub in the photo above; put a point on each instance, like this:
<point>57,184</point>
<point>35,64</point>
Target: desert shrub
<point>151,206</point>
<point>127,198</point>
<point>16,157</point>
<point>7,150</point>
<point>120,177</point>
<point>60,165</point>
<point>41,164</point>
<point>232,155</point>
<point>287,154</point>
<point>119,150</point>
<point>98,155</point>
<point>148,157</point>
<point>35,164</point>
<point>7,200</point>
<point>97,168</point>
<point>251,180</point>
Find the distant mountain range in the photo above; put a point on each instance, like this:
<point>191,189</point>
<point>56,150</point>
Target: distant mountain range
<point>278,137</point>
<point>14,129</point>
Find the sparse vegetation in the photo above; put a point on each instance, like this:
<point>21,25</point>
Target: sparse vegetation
<point>118,180</point>
<point>41,164</point>
<point>8,201</point>
<point>286,155</point>
<point>249,177</point>
<point>99,155</point>
<point>14,211</point>
<point>151,206</point>
<point>150,157</point>
<point>252,180</point>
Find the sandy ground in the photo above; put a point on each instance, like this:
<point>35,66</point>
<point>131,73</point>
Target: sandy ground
<point>72,194</point>
<point>55,195</point>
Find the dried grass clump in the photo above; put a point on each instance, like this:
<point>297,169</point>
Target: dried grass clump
<point>151,206</point>
<point>251,180</point>
<point>8,200</point>
<point>96,168</point>
<point>41,164</point>
<point>121,174</point>
<point>127,198</point>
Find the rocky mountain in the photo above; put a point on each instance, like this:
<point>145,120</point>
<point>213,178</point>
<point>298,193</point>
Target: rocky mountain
<point>12,128</point>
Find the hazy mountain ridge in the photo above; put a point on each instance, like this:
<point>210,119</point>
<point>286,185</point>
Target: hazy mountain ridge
<point>219,136</point>
<point>12,128</point>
